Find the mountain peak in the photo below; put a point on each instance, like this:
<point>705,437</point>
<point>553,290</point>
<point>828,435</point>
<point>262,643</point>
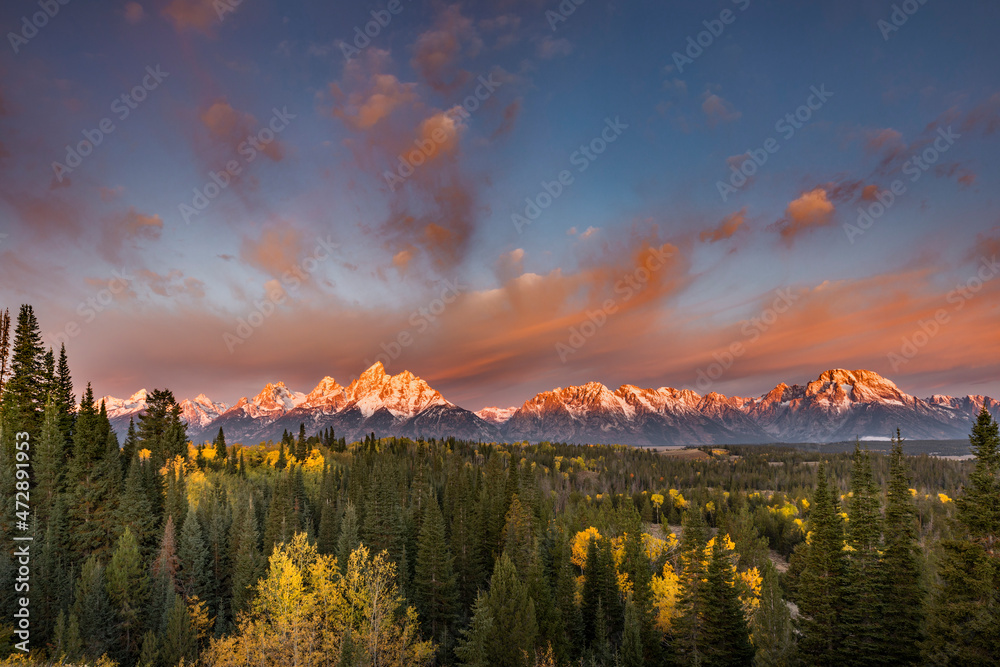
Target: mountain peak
<point>858,377</point>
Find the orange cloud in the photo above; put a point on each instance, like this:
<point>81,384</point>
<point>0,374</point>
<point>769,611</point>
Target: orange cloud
<point>437,50</point>
<point>276,251</point>
<point>364,109</point>
<point>198,15</point>
<point>126,230</point>
<point>726,228</point>
<point>811,210</point>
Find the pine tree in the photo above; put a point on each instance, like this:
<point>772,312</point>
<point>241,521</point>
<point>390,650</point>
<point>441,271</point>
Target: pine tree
<point>135,512</point>
<point>92,609</point>
<point>161,429</point>
<point>903,607</point>
<point>4,347</point>
<point>964,623</point>
<point>864,591</point>
<point>65,399</point>
<point>49,461</point>
<point>195,574</point>
<point>27,388</point>
<point>772,624</point>
<point>631,654</point>
<point>434,579</point>
<point>725,633</point>
<point>503,628</point>
<point>348,540</point>
<point>687,628</point>
<point>180,639</point>
<point>220,447</point>
<point>636,564</point>
<point>248,562</point>
<point>128,589</point>
<point>131,447</point>
<point>821,583</point>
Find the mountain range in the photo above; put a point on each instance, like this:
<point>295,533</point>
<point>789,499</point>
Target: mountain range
<point>839,405</point>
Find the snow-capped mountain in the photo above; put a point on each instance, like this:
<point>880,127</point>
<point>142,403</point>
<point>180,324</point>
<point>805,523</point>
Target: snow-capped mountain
<point>201,410</point>
<point>496,416</point>
<point>837,406</point>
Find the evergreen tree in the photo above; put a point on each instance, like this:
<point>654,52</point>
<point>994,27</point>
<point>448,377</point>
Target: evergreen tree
<point>128,588</point>
<point>864,591</point>
<point>180,639</point>
<point>131,447</point>
<point>725,633</point>
<point>161,429</point>
<point>248,562</point>
<point>821,583</point>
<point>903,607</point>
<point>27,387</point>
<point>135,512</point>
<point>4,347</point>
<point>348,540</point>
<point>503,628</point>
<point>195,574</point>
<point>687,629</point>
<point>434,580</point>
<point>49,461</point>
<point>631,650</point>
<point>92,609</point>
<point>220,447</point>
<point>772,625</point>
<point>65,399</point>
<point>964,623</point>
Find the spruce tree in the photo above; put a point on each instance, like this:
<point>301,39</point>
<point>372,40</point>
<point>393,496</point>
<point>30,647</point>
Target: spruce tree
<point>27,388</point>
<point>195,575</point>
<point>821,582</point>
<point>128,590</point>
<point>772,631</point>
<point>687,629</point>
<point>348,540</point>
<point>4,347</point>
<point>864,592</point>
<point>964,622</point>
<point>434,579</point>
<point>65,399</point>
<point>725,633</point>
<point>248,562</point>
<point>179,639</point>
<point>631,654</point>
<point>92,609</point>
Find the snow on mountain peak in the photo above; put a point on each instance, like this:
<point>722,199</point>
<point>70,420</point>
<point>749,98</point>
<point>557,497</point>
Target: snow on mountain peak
<point>496,416</point>
<point>277,397</point>
<point>403,395</point>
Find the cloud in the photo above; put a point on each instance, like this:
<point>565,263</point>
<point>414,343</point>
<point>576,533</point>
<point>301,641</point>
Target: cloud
<point>590,231</point>
<point>172,284</point>
<point>276,251</point>
<point>725,229</point>
<point>718,110</point>
<point>364,109</point>
<point>124,231</point>
<point>437,51</point>
<point>886,139</point>
<point>230,127</point>
<point>510,114</point>
<point>809,211</point>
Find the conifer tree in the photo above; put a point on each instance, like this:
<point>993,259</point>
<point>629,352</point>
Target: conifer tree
<point>864,591</point>
<point>725,633</point>
<point>135,512</point>
<point>49,461</point>
<point>631,654</point>
<point>131,447</point>
<point>248,562</point>
<point>772,631</point>
<point>27,388</point>
<point>964,622</point>
<point>434,579</point>
<point>194,575</point>
<point>220,448</point>
<point>503,628</point>
<point>348,540</point>
<point>128,589</point>
<point>65,399</point>
<point>4,347</point>
<point>821,582</point>
<point>180,639</point>
<point>687,629</point>
<point>92,609</point>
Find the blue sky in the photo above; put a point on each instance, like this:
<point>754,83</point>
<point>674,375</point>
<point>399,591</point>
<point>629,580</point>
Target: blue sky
<point>186,286</point>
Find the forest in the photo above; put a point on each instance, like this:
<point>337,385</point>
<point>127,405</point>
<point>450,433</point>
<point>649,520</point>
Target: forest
<point>156,551</point>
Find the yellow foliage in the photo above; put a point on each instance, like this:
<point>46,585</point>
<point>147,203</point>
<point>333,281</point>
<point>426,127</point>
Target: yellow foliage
<point>579,547</point>
<point>657,500</point>
<point>666,589</point>
<point>944,498</point>
<point>710,506</point>
<point>913,492</point>
<point>144,454</point>
<point>654,547</point>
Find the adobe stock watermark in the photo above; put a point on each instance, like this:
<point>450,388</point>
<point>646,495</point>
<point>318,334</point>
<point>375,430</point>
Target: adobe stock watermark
<point>248,149</point>
<point>420,320</point>
<point>223,7</point>
<point>88,309</point>
<point>697,44</point>
<point>630,284</point>
<point>931,327</point>
<point>291,281</point>
<point>425,149</point>
<point>786,126</point>
<point>915,168</point>
<point>31,25</point>
<point>122,107</point>
<point>752,330</point>
<point>562,12</point>
<point>581,158</point>
<point>900,14</point>
<point>381,18</point>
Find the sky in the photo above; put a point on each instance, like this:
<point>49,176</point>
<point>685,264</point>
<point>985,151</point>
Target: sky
<point>504,197</point>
